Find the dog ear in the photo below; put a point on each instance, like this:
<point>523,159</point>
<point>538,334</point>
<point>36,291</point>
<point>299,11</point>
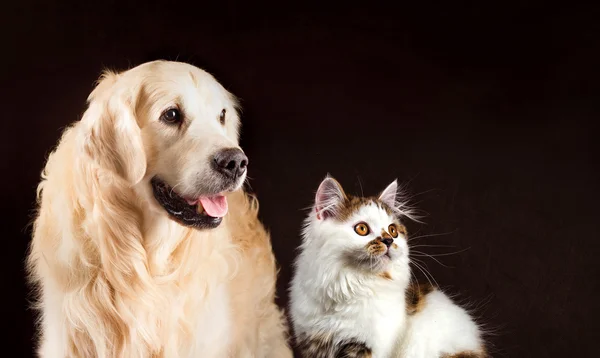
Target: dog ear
<point>329,198</point>
<point>112,136</point>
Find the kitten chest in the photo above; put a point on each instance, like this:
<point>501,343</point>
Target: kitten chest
<point>385,319</point>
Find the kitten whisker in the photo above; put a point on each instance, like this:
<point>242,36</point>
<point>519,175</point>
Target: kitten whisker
<point>420,269</point>
<point>412,247</point>
<point>431,235</point>
<point>416,233</point>
<point>423,270</point>
<point>417,194</point>
<point>444,253</point>
<point>413,278</point>
<point>422,254</point>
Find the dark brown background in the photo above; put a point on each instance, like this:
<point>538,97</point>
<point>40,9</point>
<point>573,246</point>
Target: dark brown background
<point>488,112</point>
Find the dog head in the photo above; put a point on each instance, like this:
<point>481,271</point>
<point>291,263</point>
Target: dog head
<point>170,129</point>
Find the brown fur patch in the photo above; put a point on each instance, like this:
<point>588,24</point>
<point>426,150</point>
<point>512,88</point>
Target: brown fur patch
<point>318,346</point>
<point>354,350</point>
<point>385,235</point>
<point>386,275</point>
<point>401,229</point>
<point>353,203</point>
<point>415,296</point>
<point>376,247</point>
<point>322,346</point>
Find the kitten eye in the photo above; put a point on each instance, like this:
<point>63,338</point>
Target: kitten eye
<point>171,116</point>
<point>222,116</point>
<point>392,230</point>
<point>362,229</point>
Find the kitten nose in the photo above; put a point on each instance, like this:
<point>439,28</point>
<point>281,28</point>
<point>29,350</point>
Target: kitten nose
<point>387,242</point>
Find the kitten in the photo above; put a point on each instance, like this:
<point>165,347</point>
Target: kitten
<point>350,295</point>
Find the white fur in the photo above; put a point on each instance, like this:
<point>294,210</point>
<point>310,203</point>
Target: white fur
<point>441,327</point>
<point>327,296</point>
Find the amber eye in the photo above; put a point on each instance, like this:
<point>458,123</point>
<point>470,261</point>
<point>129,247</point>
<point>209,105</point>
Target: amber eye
<point>392,230</point>
<point>222,116</point>
<point>362,229</point>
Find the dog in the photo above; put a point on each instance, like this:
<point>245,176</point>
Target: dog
<point>145,243</point>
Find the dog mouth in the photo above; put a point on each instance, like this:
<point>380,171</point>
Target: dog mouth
<point>204,212</point>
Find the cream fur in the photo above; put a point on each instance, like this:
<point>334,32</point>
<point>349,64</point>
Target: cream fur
<point>115,276</point>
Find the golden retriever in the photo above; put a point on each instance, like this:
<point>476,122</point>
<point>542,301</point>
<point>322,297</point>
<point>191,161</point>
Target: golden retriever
<point>145,244</point>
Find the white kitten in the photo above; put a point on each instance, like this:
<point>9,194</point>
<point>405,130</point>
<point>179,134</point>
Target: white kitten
<point>351,285</point>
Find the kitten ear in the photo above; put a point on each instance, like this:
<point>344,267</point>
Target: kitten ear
<point>393,196</point>
<point>330,196</point>
<point>388,196</point>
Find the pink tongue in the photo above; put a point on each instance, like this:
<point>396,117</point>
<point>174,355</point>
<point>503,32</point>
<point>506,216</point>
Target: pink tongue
<point>215,206</point>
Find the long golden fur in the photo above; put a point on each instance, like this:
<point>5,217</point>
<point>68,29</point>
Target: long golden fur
<point>115,276</point>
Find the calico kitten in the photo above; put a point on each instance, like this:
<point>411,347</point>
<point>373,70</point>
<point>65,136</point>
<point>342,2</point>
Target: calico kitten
<point>350,294</point>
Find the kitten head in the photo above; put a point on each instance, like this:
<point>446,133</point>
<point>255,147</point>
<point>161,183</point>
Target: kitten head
<point>363,233</point>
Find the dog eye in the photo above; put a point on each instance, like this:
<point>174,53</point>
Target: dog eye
<point>362,229</point>
<point>222,117</point>
<point>171,116</point>
<point>392,230</point>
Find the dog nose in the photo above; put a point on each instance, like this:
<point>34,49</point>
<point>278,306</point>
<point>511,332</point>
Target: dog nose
<point>231,162</point>
<point>387,242</point>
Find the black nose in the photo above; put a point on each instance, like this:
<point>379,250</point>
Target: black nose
<point>231,162</point>
<point>387,242</point>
